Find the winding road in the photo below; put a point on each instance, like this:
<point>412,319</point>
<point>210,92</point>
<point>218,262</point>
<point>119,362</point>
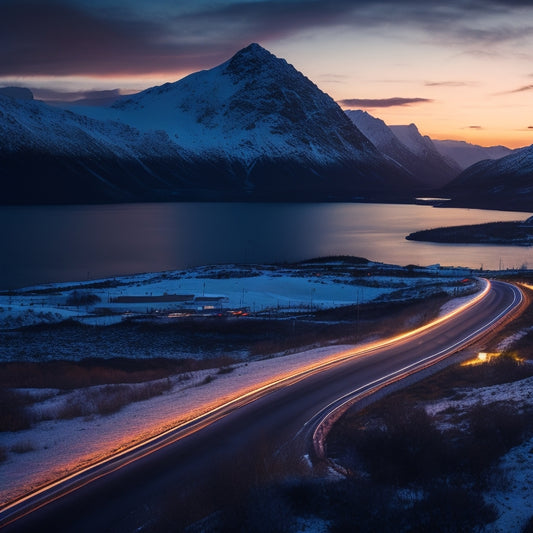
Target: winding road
<point>193,470</point>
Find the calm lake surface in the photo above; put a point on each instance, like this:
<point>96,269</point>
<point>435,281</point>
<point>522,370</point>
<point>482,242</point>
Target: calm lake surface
<point>69,243</point>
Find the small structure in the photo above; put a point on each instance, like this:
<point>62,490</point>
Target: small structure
<point>209,303</point>
<point>163,298</point>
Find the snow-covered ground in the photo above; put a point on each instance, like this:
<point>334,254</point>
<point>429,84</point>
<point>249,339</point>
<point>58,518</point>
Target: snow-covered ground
<point>53,447</point>
<point>513,502</point>
<point>61,446</point>
<point>257,288</point>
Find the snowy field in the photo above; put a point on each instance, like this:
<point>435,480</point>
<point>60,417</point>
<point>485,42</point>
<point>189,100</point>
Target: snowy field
<point>514,501</point>
<point>224,288</point>
<point>56,447</point>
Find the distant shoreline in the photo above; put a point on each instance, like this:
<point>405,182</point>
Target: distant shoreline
<point>493,233</point>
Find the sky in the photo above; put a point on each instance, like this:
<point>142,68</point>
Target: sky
<point>458,69</point>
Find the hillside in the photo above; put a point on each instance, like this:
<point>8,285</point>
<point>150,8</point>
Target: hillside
<point>253,128</point>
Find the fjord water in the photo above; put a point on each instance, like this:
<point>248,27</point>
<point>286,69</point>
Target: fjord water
<point>42,244</point>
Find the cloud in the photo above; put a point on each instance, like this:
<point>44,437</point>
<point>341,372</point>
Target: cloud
<point>334,78</point>
<point>475,127</point>
<point>447,84</point>
<point>530,127</point>
<point>382,102</point>
<point>522,89</point>
<point>101,97</point>
<point>77,37</point>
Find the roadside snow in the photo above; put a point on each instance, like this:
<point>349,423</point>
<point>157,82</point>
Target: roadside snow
<point>519,393</point>
<point>54,448</point>
<point>513,502</point>
<point>509,341</point>
<point>63,446</point>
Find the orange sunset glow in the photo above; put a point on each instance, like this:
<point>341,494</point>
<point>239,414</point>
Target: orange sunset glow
<point>462,69</point>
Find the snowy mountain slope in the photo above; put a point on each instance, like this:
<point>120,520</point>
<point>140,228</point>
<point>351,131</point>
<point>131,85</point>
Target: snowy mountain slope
<point>253,128</point>
<point>441,168</point>
<point>274,126</point>
<point>51,155</point>
<point>505,183</point>
<point>408,148</point>
<point>16,92</point>
<point>467,154</point>
<point>251,105</point>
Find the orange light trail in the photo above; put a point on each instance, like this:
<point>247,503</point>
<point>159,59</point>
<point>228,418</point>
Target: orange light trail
<point>217,409</point>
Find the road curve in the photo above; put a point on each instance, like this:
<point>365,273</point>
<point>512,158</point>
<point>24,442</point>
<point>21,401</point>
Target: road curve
<point>209,464</point>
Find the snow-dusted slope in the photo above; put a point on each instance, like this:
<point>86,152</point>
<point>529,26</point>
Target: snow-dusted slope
<point>505,183</point>
<point>439,169</point>
<point>251,128</point>
<point>16,92</point>
<point>51,155</point>
<point>467,154</point>
<point>408,148</point>
<point>278,130</point>
<point>250,106</point>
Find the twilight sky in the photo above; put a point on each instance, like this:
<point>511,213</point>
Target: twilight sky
<point>459,69</point>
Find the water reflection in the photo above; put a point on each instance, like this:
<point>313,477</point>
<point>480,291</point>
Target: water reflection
<point>45,244</point>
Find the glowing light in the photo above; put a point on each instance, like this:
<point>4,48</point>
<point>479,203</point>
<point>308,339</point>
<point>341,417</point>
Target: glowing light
<point>218,407</point>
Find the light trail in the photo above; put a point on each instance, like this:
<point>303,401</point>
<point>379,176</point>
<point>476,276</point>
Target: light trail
<point>334,410</point>
<point>213,412</point>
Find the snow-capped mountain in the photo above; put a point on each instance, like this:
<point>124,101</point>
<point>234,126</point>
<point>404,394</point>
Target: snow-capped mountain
<point>408,148</point>
<point>259,113</point>
<point>505,183</point>
<point>251,128</point>
<point>444,169</point>
<point>49,155</point>
<point>20,93</point>
<point>467,154</point>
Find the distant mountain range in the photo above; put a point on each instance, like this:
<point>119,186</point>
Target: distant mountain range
<point>404,145</point>
<point>253,128</point>
<point>505,183</point>
<point>466,154</point>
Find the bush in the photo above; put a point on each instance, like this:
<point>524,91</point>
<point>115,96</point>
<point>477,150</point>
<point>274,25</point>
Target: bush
<point>528,528</point>
<point>23,447</point>
<point>111,399</point>
<point>13,413</point>
<point>494,430</point>
<point>263,510</point>
<point>79,298</point>
<point>408,448</point>
<point>449,509</point>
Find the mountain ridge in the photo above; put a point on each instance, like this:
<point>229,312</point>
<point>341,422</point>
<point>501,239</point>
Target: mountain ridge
<point>252,128</point>
<point>406,146</point>
<point>501,183</point>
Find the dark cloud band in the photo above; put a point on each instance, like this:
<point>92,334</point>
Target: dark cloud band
<point>65,37</point>
<point>382,102</point>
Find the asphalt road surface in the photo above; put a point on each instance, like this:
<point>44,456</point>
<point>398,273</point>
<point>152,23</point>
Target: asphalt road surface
<point>261,440</point>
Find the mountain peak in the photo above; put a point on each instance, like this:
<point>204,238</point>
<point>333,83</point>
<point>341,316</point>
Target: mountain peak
<point>20,93</point>
<point>252,58</point>
<point>254,50</point>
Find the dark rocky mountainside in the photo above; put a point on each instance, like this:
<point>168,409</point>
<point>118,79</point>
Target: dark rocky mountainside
<point>407,147</point>
<point>505,183</point>
<point>253,128</point>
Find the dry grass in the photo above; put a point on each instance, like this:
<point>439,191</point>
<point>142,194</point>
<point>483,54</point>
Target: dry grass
<point>14,414</point>
<point>23,446</point>
<point>68,375</point>
<point>110,399</point>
